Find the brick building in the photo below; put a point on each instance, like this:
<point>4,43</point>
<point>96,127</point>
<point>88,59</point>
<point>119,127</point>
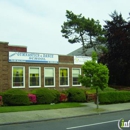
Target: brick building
<point>26,70</point>
<point>17,48</point>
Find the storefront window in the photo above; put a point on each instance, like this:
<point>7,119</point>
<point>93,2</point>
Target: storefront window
<point>49,77</point>
<point>18,77</point>
<point>64,75</point>
<point>34,76</point>
<point>75,74</point>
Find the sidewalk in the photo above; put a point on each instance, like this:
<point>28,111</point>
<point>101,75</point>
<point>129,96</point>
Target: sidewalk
<point>88,109</point>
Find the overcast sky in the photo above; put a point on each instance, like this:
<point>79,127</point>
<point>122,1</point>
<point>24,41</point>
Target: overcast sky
<point>37,23</point>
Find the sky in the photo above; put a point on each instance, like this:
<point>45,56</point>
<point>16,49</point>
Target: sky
<point>37,23</point>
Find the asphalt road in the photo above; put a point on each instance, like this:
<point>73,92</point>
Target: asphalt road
<point>96,122</point>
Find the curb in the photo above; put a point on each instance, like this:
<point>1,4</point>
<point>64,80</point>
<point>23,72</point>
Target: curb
<point>31,121</point>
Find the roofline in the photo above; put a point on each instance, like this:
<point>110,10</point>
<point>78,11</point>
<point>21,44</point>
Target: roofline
<point>17,46</point>
<point>3,42</point>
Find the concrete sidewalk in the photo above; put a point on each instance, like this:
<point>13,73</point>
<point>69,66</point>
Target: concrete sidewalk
<point>88,109</point>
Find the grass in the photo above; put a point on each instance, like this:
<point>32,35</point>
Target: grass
<point>4,109</point>
<point>99,110</point>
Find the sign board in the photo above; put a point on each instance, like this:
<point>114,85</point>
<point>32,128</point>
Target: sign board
<point>29,57</point>
<point>81,59</point>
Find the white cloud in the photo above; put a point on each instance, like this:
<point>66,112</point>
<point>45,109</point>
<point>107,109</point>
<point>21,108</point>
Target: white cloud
<point>37,23</point>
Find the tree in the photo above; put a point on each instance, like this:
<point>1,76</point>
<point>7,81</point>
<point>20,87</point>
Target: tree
<point>118,44</point>
<point>78,29</point>
<point>95,75</point>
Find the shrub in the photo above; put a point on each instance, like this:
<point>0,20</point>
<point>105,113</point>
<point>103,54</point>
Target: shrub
<point>0,98</point>
<point>90,97</point>
<point>56,95</point>
<point>93,91</point>
<point>44,95</point>
<point>1,101</point>
<point>32,98</point>
<point>109,89</point>
<point>63,97</point>
<point>114,97</point>
<point>15,97</point>
<point>76,95</point>
<point>1,93</point>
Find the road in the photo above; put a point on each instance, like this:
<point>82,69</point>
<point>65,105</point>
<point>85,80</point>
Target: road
<point>96,122</point>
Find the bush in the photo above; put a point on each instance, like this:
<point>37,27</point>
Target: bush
<point>109,89</point>
<point>1,101</point>
<point>1,93</point>
<point>56,95</point>
<point>93,91</point>
<point>0,98</point>
<point>32,98</point>
<point>15,97</point>
<point>76,95</point>
<point>114,97</point>
<point>45,95</point>
<point>63,97</point>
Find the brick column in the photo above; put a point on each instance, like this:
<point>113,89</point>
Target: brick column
<point>4,83</point>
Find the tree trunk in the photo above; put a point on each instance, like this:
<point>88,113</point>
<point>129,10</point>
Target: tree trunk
<point>97,102</point>
<point>83,45</point>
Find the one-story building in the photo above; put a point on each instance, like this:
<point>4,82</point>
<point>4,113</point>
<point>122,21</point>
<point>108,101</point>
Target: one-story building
<point>29,70</point>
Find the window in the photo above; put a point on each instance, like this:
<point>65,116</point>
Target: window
<point>64,75</point>
<point>75,74</point>
<point>34,77</point>
<point>49,77</point>
<point>18,77</point>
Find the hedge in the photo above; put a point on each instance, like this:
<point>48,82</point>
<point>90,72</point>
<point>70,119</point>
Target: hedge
<point>46,96</point>
<point>56,95</point>
<point>15,97</point>
<point>76,95</point>
<point>114,97</point>
<point>1,93</point>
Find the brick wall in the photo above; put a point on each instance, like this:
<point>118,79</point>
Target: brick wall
<point>57,66</point>
<point>4,66</point>
<point>6,69</point>
<point>17,48</point>
<point>66,59</point>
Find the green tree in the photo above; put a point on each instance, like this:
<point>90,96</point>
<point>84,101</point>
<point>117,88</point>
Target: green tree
<point>78,29</point>
<point>95,75</point>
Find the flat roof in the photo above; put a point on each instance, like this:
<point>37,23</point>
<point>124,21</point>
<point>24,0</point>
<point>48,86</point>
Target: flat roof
<point>3,42</point>
<point>17,46</point>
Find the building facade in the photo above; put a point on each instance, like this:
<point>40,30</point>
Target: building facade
<point>25,70</point>
<point>17,48</point>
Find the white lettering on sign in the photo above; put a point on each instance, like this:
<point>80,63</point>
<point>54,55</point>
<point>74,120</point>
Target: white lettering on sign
<point>33,57</point>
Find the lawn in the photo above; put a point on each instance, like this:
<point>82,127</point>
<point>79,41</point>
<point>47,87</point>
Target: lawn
<point>4,109</point>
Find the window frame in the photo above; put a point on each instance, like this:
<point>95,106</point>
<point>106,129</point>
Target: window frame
<point>72,76</point>
<point>23,67</point>
<point>67,75</point>
<point>39,77</point>
<point>53,76</point>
